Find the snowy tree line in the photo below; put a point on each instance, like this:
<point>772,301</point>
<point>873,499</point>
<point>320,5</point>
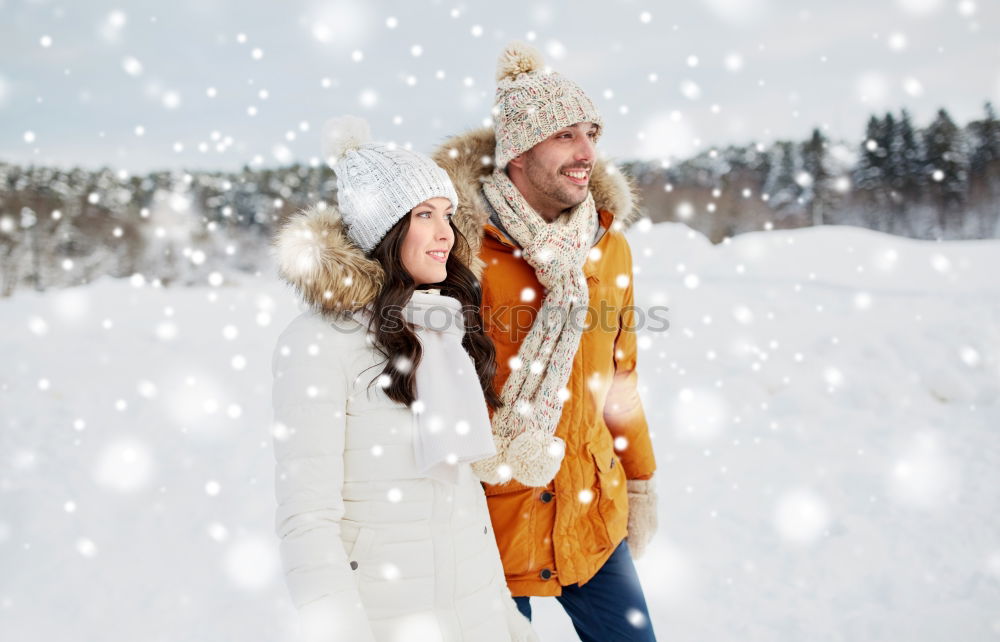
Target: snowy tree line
<point>939,182</point>
<point>60,227</point>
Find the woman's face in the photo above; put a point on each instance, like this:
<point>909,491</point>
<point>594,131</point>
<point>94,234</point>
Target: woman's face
<point>428,241</point>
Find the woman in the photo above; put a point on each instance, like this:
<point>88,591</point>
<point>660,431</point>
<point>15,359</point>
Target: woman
<point>380,404</point>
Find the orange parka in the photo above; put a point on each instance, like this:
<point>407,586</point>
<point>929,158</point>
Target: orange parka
<point>562,534</point>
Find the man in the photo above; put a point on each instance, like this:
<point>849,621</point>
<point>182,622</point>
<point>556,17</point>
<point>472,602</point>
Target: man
<point>547,218</point>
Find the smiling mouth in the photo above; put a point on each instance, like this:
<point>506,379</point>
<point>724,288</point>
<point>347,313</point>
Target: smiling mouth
<point>577,176</point>
<point>440,256</point>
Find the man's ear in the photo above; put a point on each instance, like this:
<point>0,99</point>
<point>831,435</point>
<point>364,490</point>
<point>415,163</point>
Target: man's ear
<point>517,161</point>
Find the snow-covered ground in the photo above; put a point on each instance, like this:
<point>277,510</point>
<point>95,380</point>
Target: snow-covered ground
<point>826,408</point>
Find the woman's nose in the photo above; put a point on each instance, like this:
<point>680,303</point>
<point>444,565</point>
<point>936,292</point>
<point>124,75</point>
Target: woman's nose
<point>444,232</point>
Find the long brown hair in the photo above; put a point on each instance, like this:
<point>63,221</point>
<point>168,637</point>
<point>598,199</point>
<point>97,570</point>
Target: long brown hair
<point>394,337</point>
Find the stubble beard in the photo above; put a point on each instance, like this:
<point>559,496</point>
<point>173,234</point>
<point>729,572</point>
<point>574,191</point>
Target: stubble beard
<point>550,187</point>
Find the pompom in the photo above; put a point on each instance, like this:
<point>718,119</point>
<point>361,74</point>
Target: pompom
<point>341,135</point>
<point>494,469</point>
<point>535,457</point>
<point>518,58</point>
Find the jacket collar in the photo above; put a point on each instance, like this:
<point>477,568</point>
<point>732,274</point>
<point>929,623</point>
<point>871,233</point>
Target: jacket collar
<point>605,221</point>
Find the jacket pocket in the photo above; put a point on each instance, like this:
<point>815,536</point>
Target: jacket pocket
<point>612,493</point>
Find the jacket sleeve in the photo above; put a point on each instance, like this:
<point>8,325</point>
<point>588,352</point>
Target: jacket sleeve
<point>623,413</point>
<point>309,397</point>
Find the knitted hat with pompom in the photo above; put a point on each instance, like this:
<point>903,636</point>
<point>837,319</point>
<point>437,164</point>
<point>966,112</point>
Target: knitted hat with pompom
<point>378,183</point>
<point>532,103</point>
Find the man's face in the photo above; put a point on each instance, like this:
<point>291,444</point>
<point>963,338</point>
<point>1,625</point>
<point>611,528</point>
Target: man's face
<point>557,170</point>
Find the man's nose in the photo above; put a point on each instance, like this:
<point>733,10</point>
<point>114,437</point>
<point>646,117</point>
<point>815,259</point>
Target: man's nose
<point>585,150</point>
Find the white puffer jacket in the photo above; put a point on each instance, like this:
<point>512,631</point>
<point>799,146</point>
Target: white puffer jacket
<point>371,549</point>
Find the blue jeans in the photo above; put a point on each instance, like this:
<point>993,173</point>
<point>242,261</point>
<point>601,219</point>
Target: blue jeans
<point>608,608</point>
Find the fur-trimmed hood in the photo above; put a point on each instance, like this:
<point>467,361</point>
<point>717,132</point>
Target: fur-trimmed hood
<point>468,158</point>
<point>315,256</point>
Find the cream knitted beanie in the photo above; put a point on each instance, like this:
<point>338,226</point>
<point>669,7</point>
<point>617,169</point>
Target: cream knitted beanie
<point>378,183</point>
<point>532,104</point>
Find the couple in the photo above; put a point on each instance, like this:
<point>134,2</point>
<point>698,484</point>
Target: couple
<point>439,461</point>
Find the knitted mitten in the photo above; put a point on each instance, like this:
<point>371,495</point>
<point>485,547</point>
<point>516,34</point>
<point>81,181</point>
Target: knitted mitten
<point>642,520</point>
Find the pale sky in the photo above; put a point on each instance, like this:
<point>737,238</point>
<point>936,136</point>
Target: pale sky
<point>215,84</point>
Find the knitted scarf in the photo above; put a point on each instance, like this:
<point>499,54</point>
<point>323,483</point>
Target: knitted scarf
<point>533,395</point>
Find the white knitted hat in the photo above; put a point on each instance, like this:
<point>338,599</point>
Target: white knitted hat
<point>532,104</point>
<point>378,183</point>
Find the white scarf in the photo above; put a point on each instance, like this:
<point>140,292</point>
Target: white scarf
<point>452,426</point>
<point>451,423</point>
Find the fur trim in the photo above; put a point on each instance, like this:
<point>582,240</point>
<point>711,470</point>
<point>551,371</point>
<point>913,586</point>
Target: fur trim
<point>518,58</point>
<point>642,521</point>
<point>326,268</point>
<point>468,158</point>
